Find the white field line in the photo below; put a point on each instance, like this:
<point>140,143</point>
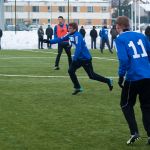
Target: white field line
<point>100,58</point>
<point>35,76</point>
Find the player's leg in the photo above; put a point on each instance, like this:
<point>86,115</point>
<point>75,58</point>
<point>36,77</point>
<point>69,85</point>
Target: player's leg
<point>128,99</point>
<point>60,49</point>
<point>88,67</point>
<point>68,52</point>
<point>72,69</point>
<point>144,96</point>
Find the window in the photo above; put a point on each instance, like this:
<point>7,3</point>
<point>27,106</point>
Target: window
<point>9,21</point>
<point>76,21</point>
<point>104,9</point>
<point>88,22</point>
<point>35,8</point>
<point>90,9</point>
<point>61,8</point>
<point>20,21</point>
<point>76,9</point>
<point>20,9</point>
<point>35,21</point>
<point>8,8</point>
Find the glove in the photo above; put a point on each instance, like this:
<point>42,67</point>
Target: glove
<point>120,81</point>
<point>46,41</point>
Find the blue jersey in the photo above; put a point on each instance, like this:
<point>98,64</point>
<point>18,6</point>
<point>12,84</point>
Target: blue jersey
<point>81,51</point>
<point>133,50</point>
<point>103,33</point>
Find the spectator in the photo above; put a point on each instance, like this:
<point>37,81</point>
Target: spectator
<point>40,37</point>
<point>1,34</point>
<point>82,31</point>
<point>104,39</point>
<point>93,34</point>
<point>49,34</point>
<point>147,32</point>
<point>114,34</point>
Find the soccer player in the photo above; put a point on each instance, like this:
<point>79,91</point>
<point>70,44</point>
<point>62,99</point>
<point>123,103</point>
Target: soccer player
<point>133,50</point>
<point>81,58</point>
<point>59,31</point>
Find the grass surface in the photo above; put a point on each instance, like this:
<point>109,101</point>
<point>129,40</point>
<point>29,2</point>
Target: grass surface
<point>38,112</point>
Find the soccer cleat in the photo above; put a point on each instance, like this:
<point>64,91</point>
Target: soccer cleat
<point>56,68</point>
<point>76,91</point>
<point>110,84</point>
<point>133,138</point>
<point>148,142</point>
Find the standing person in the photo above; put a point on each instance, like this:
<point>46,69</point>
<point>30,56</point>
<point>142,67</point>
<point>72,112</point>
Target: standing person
<point>49,34</point>
<point>1,34</point>
<point>81,58</point>
<point>59,31</point>
<point>82,31</point>
<point>133,50</point>
<point>114,34</point>
<point>104,39</point>
<point>147,32</point>
<point>40,37</point>
<point>93,34</point>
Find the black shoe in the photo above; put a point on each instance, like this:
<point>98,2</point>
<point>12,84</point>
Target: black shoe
<point>56,68</point>
<point>133,138</point>
<point>111,51</point>
<point>76,91</point>
<point>148,141</point>
<point>110,84</point>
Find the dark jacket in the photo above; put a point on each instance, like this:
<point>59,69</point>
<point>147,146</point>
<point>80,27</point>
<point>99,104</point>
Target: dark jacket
<point>49,32</point>
<point>113,32</point>
<point>93,34</point>
<point>1,33</point>
<point>40,32</point>
<point>83,32</point>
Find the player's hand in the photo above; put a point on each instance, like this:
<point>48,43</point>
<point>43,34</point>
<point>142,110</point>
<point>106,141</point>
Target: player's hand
<point>120,81</point>
<point>46,41</point>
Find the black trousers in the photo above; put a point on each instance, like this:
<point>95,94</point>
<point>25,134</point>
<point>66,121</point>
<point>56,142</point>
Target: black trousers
<point>0,42</point>
<point>87,65</point>
<point>67,49</point>
<point>112,43</point>
<point>48,44</point>
<point>93,41</point>
<point>102,44</point>
<point>129,94</point>
<point>40,42</point>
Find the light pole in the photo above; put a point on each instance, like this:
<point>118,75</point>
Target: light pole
<point>68,11</point>
<point>2,14</point>
<point>15,16</point>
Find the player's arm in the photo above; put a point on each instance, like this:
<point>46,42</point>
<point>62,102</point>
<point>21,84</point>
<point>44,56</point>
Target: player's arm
<point>123,61</point>
<point>57,40</point>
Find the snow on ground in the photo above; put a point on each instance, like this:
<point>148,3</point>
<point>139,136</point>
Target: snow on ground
<point>29,40</point>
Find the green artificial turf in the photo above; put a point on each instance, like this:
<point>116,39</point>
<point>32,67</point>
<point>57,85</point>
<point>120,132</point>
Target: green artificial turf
<point>38,112</point>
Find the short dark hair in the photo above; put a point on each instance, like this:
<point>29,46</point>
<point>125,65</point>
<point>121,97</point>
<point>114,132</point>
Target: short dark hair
<point>73,25</point>
<point>123,21</point>
<point>60,17</point>
<point>147,31</point>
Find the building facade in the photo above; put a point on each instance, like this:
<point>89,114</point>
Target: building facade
<point>84,12</point>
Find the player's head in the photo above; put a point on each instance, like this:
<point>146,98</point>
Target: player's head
<point>147,31</point>
<point>122,23</point>
<point>60,19</point>
<point>72,27</point>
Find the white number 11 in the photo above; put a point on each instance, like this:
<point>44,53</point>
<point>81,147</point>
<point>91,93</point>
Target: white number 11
<point>136,55</point>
